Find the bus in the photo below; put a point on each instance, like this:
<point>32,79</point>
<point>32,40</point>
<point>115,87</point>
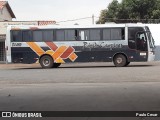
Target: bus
<point>54,45</point>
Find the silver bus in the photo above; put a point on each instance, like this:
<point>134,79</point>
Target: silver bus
<point>52,46</point>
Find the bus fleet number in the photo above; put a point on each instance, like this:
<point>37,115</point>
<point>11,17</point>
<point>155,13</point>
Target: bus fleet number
<point>16,44</point>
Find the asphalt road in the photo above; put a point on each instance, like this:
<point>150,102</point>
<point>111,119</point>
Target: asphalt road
<point>81,87</point>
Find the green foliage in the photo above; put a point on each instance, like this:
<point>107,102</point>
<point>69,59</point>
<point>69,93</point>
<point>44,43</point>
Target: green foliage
<point>111,12</point>
<point>134,10</point>
<point>102,18</point>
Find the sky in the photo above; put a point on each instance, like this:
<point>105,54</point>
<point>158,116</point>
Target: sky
<point>63,10</point>
<point>58,10</point>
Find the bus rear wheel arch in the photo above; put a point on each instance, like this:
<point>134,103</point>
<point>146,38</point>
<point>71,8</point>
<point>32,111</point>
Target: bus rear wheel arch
<point>120,60</point>
<point>46,61</point>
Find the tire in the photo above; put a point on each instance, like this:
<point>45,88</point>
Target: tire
<point>127,63</point>
<point>120,60</point>
<point>56,65</point>
<point>46,61</point>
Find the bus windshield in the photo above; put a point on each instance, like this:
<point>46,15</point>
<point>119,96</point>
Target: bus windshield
<point>150,38</point>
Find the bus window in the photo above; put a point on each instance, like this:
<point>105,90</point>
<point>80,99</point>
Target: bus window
<point>107,34</point>
<point>84,34</point>
<point>141,41</point>
<point>16,36</point>
<point>134,37</point>
<point>48,35</point>
<point>27,36</point>
<point>123,33</point>
<point>116,34</point>
<point>60,35</point>
<point>95,34</point>
<point>70,35</point>
<point>131,38</point>
<point>37,36</point>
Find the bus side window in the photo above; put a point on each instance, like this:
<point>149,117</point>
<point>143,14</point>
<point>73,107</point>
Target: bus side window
<point>37,36</point>
<point>84,34</point>
<point>141,41</point>
<point>70,35</point>
<point>48,35</point>
<point>16,36</point>
<point>116,34</point>
<point>123,33</point>
<point>131,38</point>
<point>60,35</point>
<point>95,34</point>
<point>107,34</point>
<point>27,36</point>
<point>76,35</point>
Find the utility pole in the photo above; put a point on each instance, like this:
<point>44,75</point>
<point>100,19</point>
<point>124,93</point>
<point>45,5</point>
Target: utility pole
<point>93,19</point>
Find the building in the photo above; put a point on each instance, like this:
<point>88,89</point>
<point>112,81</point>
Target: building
<point>6,13</point>
<point>6,16</point>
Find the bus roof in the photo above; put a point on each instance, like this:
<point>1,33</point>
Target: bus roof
<point>73,26</point>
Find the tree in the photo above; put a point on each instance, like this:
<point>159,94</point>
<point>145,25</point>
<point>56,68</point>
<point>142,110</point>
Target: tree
<point>111,12</point>
<point>132,10</point>
<point>103,17</point>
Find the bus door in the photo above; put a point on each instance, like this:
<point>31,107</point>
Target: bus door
<point>142,48</point>
<point>137,41</point>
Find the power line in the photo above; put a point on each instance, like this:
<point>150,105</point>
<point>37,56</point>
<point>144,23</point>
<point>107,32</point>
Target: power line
<point>92,17</point>
<point>74,19</point>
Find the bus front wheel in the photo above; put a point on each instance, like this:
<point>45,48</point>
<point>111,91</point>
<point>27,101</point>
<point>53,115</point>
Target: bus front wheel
<point>46,61</point>
<point>120,60</point>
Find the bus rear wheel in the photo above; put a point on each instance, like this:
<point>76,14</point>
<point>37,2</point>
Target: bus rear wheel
<point>120,60</point>
<point>127,63</point>
<point>46,61</point>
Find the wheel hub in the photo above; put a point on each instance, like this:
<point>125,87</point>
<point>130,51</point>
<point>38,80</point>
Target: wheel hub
<point>46,62</point>
<point>119,60</point>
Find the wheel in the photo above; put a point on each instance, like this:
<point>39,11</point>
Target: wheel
<point>46,61</point>
<point>120,60</point>
<point>127,63</point>
<point>56,65</point>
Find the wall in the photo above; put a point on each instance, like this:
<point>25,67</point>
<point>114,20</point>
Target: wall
<point>157,53</point>
<point>155,32</point>
<point>5,15</point>
<point>156,35</point>
<point>3,25</point>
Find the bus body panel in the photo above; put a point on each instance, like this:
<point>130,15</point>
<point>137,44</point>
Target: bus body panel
<point>22,53</point>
